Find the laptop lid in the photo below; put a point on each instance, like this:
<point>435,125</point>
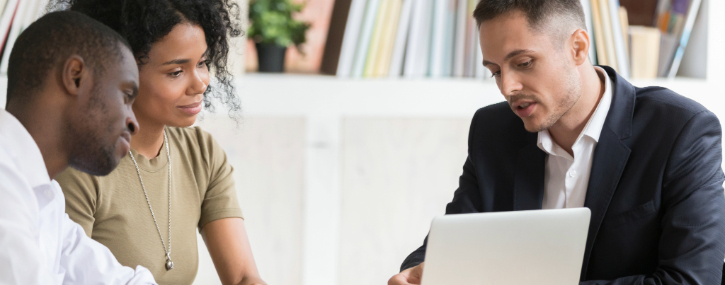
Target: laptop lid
<point>544,247</point>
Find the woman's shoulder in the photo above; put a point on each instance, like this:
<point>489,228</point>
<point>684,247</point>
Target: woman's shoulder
<point>195,136</point>
<point>195,141</point>
<point>73,180</point>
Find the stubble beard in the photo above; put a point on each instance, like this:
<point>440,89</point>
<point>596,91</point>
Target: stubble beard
<point>573,93</point>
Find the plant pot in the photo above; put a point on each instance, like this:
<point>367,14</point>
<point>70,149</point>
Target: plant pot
<point>270,57</point>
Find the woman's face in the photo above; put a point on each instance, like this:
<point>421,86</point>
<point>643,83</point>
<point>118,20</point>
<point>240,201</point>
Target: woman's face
<point>173,81</point>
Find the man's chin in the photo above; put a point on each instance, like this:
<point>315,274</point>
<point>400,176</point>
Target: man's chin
<point>533,127</point>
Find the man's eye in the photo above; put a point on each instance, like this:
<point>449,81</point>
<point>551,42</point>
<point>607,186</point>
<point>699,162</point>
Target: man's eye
<point>526,64</point>
<point>496,73</point>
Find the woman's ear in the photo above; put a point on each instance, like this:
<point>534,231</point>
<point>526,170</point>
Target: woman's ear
<point>580,46</point>
<point>74,74</point>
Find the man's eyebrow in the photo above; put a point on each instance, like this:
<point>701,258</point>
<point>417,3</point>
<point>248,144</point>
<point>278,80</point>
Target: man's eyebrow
<point>510,55</point>
<point>517,52</point>
<point>177,61</point>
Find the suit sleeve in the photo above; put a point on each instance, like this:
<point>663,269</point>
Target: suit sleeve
<point>466,199</point>
<point>692,241</point>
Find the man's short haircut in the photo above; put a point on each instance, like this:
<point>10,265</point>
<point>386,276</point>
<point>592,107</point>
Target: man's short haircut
<point>48,42</point>
<point>539,13</point>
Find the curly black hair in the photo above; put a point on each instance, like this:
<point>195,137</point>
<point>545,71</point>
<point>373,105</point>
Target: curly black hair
<point>145,22</point>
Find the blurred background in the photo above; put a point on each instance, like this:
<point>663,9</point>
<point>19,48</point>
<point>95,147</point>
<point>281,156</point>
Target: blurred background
<point>356,114</point>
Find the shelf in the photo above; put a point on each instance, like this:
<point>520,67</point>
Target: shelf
<point>325,96</point>
<point>320,95</point>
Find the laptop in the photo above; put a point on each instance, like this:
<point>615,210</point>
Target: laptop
<point>544,247</point>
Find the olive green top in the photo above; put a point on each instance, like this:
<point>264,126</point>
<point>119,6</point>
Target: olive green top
<point>113,210</point>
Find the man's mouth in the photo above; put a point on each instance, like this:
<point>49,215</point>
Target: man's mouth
<point>524,106</point>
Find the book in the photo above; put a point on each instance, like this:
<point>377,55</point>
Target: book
<point>684,36</point>
<point>24,10</point>
<point>481,71</point>
<point>644,42</point>
<point>640,12</point>
<point>459,52</point>
<point>624,24</point>
<point>361,52</point>
<point>351,36</point>
<point>619,48</point>
<point>449,38</point>
<point>598,28</point>
<point>418,49</point>
<point>472,44</point>
<point>6,21</point>
<point>588,22</point>
<point>382,63</point>
<point>335,36</point>
<point>401,39</point>
<point>41,10</point>
<point>376,37</point>
<point>442,38</point>
<point>608,34</point>
<point>3,3</point>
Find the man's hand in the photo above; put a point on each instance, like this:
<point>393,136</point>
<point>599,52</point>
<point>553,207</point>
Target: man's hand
<point>410,276</point>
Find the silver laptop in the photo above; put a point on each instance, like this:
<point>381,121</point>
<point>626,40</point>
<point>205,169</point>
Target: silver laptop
<point>543,247</point>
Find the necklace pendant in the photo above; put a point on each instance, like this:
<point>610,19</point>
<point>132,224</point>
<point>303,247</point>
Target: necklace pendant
<point>169,264</point>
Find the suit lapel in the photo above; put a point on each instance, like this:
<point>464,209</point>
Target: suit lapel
<point>609,159</point>
<point>529,178</point>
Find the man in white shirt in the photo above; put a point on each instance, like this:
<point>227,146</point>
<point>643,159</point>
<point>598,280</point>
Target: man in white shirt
<point>646,161</point>
<point>71,84</point>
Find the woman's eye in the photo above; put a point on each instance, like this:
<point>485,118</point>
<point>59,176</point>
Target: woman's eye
<point>175,73</point>
<point>526,64</point>
<point>495,73</point>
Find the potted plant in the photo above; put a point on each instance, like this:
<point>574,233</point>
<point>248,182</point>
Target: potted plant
<point>273,30</point>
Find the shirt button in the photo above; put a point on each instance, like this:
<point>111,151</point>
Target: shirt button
<point>572,173</point>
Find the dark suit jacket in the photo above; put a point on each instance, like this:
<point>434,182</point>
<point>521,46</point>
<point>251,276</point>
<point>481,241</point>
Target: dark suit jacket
<point>655,190</point>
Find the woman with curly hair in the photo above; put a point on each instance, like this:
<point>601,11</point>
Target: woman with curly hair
<point>176,178</point>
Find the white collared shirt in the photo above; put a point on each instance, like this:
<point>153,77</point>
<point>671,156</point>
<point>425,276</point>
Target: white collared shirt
<point>566,176</point>
<point>39,244</point>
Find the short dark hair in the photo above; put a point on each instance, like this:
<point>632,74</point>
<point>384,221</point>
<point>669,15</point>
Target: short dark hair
<point>50,41</point>
<point>537,12</point>
<point>145,22</point>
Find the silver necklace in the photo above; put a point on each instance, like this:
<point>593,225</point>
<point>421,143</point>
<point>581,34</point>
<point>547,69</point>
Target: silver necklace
<point>169,263</point>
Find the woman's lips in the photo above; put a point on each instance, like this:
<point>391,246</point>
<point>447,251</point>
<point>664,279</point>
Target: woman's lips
<point>191,109</point>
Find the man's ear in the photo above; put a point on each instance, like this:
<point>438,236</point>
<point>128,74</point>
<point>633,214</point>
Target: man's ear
<point>74,74</point>
<point>580,46</point>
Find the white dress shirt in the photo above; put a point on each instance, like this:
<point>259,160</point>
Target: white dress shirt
<point>566,176</point>
<point>39,244</point>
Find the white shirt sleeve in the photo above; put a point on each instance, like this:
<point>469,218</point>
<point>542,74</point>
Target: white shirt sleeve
<point>86,261</point>
<point>21,261</point>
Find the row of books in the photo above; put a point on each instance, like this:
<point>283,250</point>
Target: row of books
<point>410,38</point>
<point>640,52</point>
<point>439,38</point>
<point>15,16</point>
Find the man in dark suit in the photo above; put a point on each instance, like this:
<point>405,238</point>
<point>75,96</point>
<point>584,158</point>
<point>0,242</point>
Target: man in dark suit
<point>645,161</point>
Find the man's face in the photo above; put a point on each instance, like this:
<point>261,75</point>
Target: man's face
<point>101,134</point>
<point>532,69</point>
